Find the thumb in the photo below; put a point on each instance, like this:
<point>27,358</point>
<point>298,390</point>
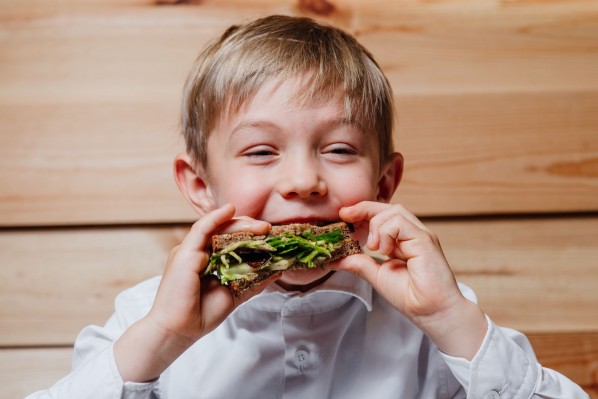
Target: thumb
<point>361,265</point>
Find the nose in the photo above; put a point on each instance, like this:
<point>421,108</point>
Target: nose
<point>302,180</point>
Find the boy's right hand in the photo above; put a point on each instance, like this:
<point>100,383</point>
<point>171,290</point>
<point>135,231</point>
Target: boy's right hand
<point>188,305</point>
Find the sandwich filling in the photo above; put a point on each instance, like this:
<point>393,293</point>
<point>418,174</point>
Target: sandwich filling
<point>243,260</point>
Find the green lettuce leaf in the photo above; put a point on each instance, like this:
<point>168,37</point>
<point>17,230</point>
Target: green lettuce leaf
<point>285,250</point>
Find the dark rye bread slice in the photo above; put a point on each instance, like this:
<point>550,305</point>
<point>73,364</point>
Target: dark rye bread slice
<point>221,241</point>
<point>237,287</point>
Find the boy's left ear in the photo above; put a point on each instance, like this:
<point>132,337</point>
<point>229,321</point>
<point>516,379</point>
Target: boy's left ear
<point>193,185</point>
<point>390,178</point>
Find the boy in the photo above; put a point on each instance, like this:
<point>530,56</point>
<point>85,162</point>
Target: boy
<point>287,120</point>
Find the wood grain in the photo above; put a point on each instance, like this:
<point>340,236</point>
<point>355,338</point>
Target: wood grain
<point>53,283</point>
<point>24,371</point>
<point>532,274</point>
<point>499,153</point>
<point>574,355</point>
<point>536,275</point>
<point>496,103</point>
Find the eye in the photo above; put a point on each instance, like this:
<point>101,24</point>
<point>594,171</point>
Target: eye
<point>341,150</point>
<point>259,153</point>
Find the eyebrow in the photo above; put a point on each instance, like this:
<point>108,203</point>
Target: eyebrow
<point>266,124</point>
<point>254,124</point>
<point>350,122</point>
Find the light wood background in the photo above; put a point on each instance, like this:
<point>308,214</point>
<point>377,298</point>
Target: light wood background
<point>498,122</point>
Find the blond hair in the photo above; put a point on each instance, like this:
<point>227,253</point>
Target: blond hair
<point>230,71</point>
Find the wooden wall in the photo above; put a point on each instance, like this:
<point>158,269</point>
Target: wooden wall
<point>498,122</point>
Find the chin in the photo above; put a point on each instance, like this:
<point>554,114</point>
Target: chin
<point>303,280</point>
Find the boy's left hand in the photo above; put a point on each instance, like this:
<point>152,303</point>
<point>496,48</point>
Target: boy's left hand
<point>416,279</point>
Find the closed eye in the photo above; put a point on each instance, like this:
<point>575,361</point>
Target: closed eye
<point>259,154</point>
<point>340,150</point>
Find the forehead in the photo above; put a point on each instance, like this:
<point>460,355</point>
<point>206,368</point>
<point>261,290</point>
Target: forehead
<point>297,93</point>
<point>278,100</point>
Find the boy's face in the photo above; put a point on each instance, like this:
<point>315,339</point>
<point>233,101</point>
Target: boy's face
<point>282,163</point>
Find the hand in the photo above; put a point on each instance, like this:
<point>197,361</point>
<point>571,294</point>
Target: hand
<point>188,304</point>
<point>416,279</point>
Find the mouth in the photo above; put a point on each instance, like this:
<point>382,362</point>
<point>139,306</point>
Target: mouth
<point>306,220</point>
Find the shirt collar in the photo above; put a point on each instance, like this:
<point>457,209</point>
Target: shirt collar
<point>334,292</point>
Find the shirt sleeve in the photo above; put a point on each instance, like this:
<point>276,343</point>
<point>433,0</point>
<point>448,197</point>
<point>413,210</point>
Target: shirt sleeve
<point>94,372</point>
<point>505,367</point>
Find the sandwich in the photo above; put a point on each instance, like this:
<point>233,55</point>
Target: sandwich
<point>241,260</point>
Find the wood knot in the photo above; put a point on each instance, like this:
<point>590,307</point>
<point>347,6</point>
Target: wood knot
<point>176,2</point>
<point>319,7</point>
<point>581,168</point>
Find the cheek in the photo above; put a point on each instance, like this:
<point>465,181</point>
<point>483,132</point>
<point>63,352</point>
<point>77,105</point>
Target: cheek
<point>247,194</point>
<point>354,187</point>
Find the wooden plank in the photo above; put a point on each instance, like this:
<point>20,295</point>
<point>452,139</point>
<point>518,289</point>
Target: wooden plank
<point>26,370</point>
<point>55,282</point>
<point>535,275</point>
<point>479,46</point>
<point>574,355</point>
<point>488,121</point>
<point>499,153</point>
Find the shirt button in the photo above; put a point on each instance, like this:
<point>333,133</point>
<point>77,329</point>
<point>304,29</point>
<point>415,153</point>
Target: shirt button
<point>492,395</point>
<point>301,359</point>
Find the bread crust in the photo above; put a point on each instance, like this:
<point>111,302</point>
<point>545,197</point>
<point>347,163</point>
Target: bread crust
<point>221,241</point>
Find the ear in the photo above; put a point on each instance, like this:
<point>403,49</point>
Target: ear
<point>193,184</point>
<point>390,178</point>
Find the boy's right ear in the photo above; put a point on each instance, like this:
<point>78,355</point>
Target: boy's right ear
<point>193,185</point>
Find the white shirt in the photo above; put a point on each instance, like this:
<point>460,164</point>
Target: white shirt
<point>341,340</point>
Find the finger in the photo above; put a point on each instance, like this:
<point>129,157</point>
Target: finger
<point>384,224</point>
<point>388,225</point>
<point>361,265</point>
<point>364,210</point>
<point>376,238</point>
<point>216,302</point>
<point>396,231</point>
<point>367,210</point>
<point>172,254</point>
<point>192,251</point>
<point>388,235</point>
<point>199,235</point>
<point>407,214</point>
<point>398,254</point>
